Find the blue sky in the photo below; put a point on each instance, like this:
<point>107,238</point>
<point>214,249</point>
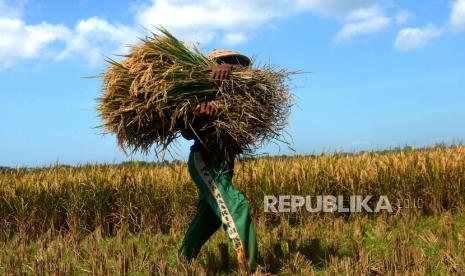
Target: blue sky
<point>382,73</point>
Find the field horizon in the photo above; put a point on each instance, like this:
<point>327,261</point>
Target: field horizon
<point>158,161</point>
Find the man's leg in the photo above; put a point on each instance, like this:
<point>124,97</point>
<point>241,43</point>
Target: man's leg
<point>202,227</point>
<point>228,204</point>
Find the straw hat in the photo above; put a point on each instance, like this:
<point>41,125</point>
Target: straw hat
<point>219,54</point>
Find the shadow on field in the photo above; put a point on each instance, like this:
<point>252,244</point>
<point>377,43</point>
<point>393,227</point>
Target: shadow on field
<point>316,253</point>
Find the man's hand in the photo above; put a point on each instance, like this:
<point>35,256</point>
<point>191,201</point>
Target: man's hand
<point>220,72</point>
<point>206,109</point>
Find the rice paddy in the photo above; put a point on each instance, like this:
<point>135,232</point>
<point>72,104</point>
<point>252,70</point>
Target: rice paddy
<point>130,218</point>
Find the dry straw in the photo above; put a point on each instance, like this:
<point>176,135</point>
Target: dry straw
<point>148,99</point>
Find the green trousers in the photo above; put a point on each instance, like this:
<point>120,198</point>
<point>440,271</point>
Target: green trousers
<point>219,204</point>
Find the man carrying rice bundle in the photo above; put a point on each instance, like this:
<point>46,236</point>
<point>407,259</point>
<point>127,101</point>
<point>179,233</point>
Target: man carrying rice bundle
<point>219,203</point>
<point>163,89</point>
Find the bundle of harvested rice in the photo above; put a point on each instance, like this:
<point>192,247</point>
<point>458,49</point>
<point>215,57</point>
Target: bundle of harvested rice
<point>148,99</point>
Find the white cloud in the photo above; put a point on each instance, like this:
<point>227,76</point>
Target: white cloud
<point>364,13</point>
<point>412,38</point>
<point>91,38</point>
<point>233,21</point>
<point>94,37</point>
<point>363,21</point>
<point>365,27</point>
<point>234,38</point>
<point>201,21</point>
<point>227,22</point>
<point>457,16</point>
<point>21,41</point>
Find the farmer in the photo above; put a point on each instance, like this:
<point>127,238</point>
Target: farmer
<point>219,203</point>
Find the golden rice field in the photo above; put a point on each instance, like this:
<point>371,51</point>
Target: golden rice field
<point>129,219</point>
